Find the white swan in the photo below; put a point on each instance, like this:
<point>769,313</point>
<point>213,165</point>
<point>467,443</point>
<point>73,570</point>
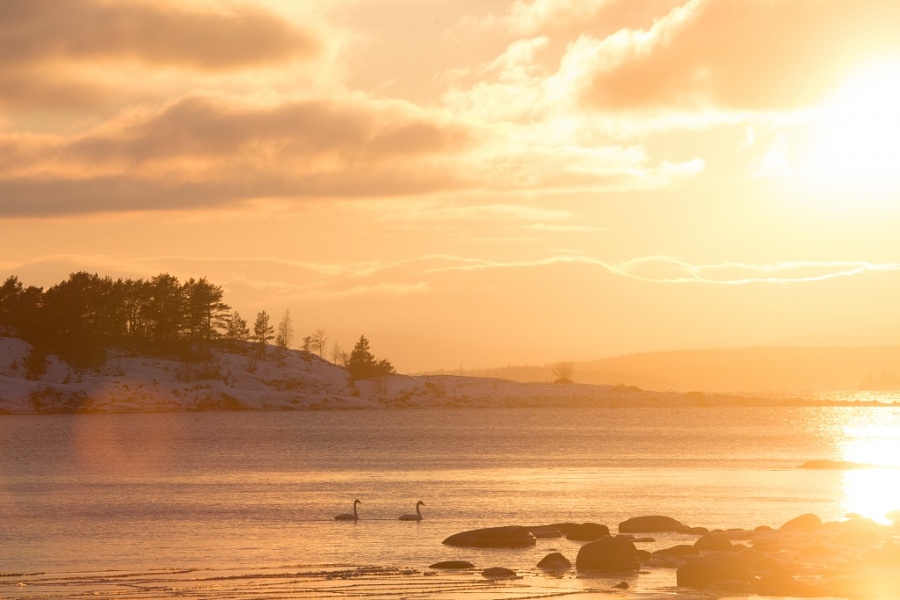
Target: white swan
<point>415,517</point>
<point>348,516</point>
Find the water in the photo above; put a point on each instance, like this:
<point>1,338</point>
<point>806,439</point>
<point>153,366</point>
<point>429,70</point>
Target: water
<point>250,497</point>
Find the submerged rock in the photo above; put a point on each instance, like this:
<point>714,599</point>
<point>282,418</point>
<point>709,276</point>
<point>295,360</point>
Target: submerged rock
<point>679,550</point>
<point>587,532</point>
<point>545,531</point>
<point>839,465</point>
<point>452,564</point>
<point>650,524</point>
<point>511,536</point>
<point>498,573</point>
<point>608,553</point>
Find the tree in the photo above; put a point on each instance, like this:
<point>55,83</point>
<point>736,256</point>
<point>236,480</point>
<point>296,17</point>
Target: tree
<point>236,329</point>
<point>165,310</point>
<point>262,331</point>
<point>205,313</point>
<point>563,372</point>
<point>362,364</point>
<point>319,342</point>
<point>338,355</point>
<point>285,330</point>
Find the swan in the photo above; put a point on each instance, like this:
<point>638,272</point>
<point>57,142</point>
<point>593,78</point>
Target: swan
<point>348,516</point>
<point>415,517</point>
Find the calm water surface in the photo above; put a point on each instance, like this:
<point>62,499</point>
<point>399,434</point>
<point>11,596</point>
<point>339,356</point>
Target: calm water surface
<point>258,490</point>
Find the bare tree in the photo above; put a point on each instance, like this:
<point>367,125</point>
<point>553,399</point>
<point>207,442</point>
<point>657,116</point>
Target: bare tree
<point>338,356</point>
<point>285,331</point>
<point>319,342</point>
<point>563,372</point>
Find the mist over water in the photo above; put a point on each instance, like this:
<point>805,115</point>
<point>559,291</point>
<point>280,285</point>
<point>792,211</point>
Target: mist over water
<point>259,490</point>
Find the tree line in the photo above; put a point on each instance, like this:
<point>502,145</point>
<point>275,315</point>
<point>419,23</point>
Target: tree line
<point>79,317</point>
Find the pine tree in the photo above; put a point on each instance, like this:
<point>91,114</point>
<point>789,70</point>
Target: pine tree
<point>262,331</point>
<point>362,364</point>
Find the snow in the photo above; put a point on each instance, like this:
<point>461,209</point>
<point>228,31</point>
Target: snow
<point>287,380</point>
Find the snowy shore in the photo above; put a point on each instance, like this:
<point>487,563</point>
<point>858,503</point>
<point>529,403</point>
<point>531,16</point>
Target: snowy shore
<point>287,380</point>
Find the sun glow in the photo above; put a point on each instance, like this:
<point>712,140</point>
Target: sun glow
<point>853,160</point>
<point>872,492</point>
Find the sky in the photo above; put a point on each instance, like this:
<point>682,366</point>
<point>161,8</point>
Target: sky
<point>469,183</point>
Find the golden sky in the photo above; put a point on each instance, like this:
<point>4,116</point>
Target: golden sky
<point>469,182</point>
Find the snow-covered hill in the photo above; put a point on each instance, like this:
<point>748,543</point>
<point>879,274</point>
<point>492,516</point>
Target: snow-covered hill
<point>291,380</point>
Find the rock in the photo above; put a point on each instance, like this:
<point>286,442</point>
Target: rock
<point>693,530</point>
<point>555,562</point>
<point>807,522</point>
<point>713,541</point>
<point>839,465</point>
<point>511,536</point>
<point>680,550</point>
<point>587,532</point>
<point>608,553</point>
<point>545,531</point>
<point>738,534</point>
<point>622,585</point>
<point>769,544</point>
<point>712,569</point>
<point>452,564</point>
<point>498,573</point>
<point>650,524</point>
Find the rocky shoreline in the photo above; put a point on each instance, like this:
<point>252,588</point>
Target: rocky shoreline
<point>804,557</point>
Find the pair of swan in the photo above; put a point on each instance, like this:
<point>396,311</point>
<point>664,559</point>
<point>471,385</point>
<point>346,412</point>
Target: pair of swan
<point>355,516</point>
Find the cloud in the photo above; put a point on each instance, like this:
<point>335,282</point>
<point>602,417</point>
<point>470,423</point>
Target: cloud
<point>204,151</point>
<point>568,18</point>
<point>91,54</point>
<point>672,270</point>
<point>756,55</point>
<point>39,31</point>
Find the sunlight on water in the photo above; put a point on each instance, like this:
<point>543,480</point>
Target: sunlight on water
<point>872,439</point>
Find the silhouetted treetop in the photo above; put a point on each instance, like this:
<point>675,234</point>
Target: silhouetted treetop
<point>362,364</point>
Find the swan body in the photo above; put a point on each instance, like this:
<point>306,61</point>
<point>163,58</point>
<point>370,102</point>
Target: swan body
<point>415,517</point>
<point>348,516</point>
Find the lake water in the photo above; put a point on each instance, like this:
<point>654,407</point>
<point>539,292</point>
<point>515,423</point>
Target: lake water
<point>241,505</point>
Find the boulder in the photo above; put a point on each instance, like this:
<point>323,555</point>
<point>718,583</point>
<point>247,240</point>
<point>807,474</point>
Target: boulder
<point>554,562</point>
<point>807,522</point>
<point>511,536</point>
<point>711,569</point>
<point>693,530</point>
<point>498,573</point>
<point>650,524</point>
<point>452,564</point>
<point>587,532</point>
<point>768,544</point>
<point>680,550</point>
<point>713,541</point>
<point>612,554</point>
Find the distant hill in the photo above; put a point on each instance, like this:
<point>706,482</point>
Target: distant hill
<point>735,370</point>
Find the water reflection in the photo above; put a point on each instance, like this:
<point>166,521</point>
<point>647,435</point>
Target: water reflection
<point>871,439</point>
